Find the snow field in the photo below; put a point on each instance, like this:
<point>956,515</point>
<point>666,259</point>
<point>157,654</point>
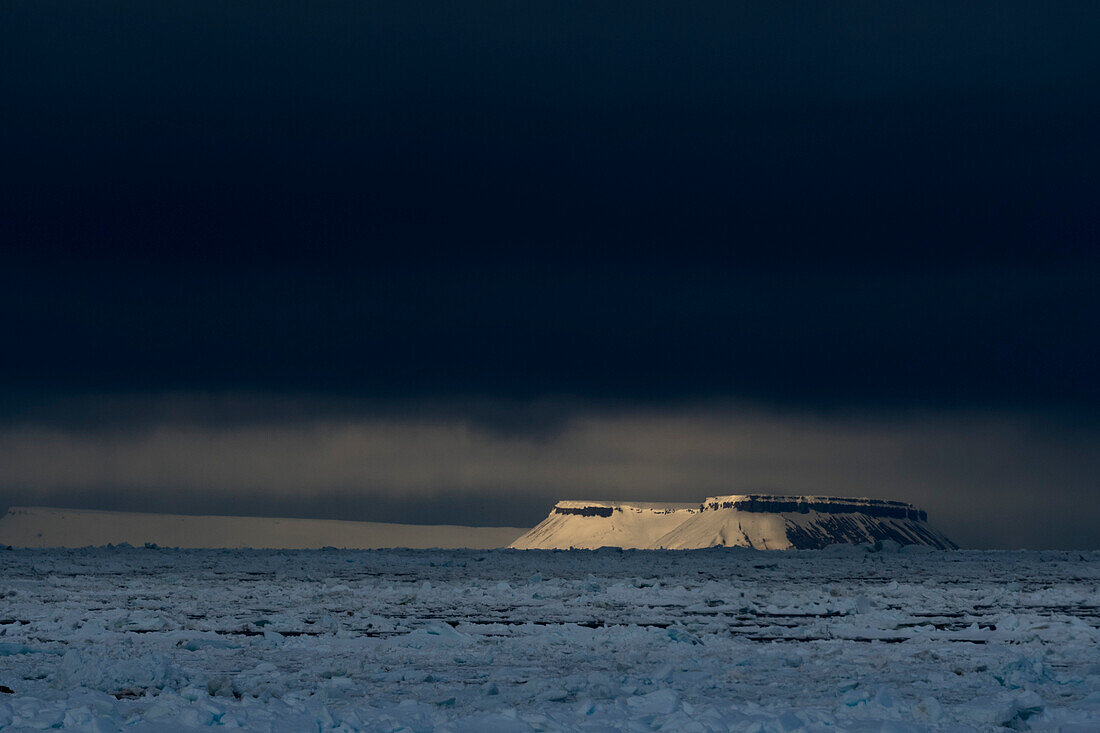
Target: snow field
<point>714,640</point>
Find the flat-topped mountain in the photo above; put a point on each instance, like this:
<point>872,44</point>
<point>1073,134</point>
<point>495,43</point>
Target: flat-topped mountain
<point>801,522</point>
<point>759,521</point>
<point>587,525</point>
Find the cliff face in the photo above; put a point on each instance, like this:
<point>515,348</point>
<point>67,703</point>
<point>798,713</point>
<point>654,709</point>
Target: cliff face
<point>588,525</point>
<point>879,508</point>
<point>758,521</point>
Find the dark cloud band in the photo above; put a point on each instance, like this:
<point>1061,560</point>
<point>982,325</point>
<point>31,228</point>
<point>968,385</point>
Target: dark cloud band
<point>987,479</point>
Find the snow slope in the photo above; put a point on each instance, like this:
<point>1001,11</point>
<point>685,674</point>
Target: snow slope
<point>588,525</point>
<point>800,522</point>
<point>50,527</point>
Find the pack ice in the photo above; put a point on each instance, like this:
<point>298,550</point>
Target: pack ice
<point>852,639</point>
<point>758,521</point>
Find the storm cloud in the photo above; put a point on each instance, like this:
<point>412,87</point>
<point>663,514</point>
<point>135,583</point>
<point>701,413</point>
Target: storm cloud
<point>987,479</point>
<point>440,262</point>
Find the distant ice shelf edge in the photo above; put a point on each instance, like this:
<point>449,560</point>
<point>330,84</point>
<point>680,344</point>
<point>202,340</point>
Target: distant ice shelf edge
<point>758,521</point>
<point>56,527</point>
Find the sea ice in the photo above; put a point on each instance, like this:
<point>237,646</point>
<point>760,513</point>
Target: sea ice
<point>712,640</point>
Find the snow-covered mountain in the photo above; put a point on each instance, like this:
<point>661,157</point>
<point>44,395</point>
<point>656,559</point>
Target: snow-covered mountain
<point>800,522</point>
<point>587,525</point>
<point>758,521</point>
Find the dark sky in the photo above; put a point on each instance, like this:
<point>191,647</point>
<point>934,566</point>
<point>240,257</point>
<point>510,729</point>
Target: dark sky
<point>451,261</point>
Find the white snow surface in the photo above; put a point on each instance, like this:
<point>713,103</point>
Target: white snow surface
<point>52,527</point>
<point>629,525</point>
<point>844,639</point>
<point>728,528</point>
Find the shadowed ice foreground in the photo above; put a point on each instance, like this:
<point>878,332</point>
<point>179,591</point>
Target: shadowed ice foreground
<point>907,640</point>
<point>756,521</point>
